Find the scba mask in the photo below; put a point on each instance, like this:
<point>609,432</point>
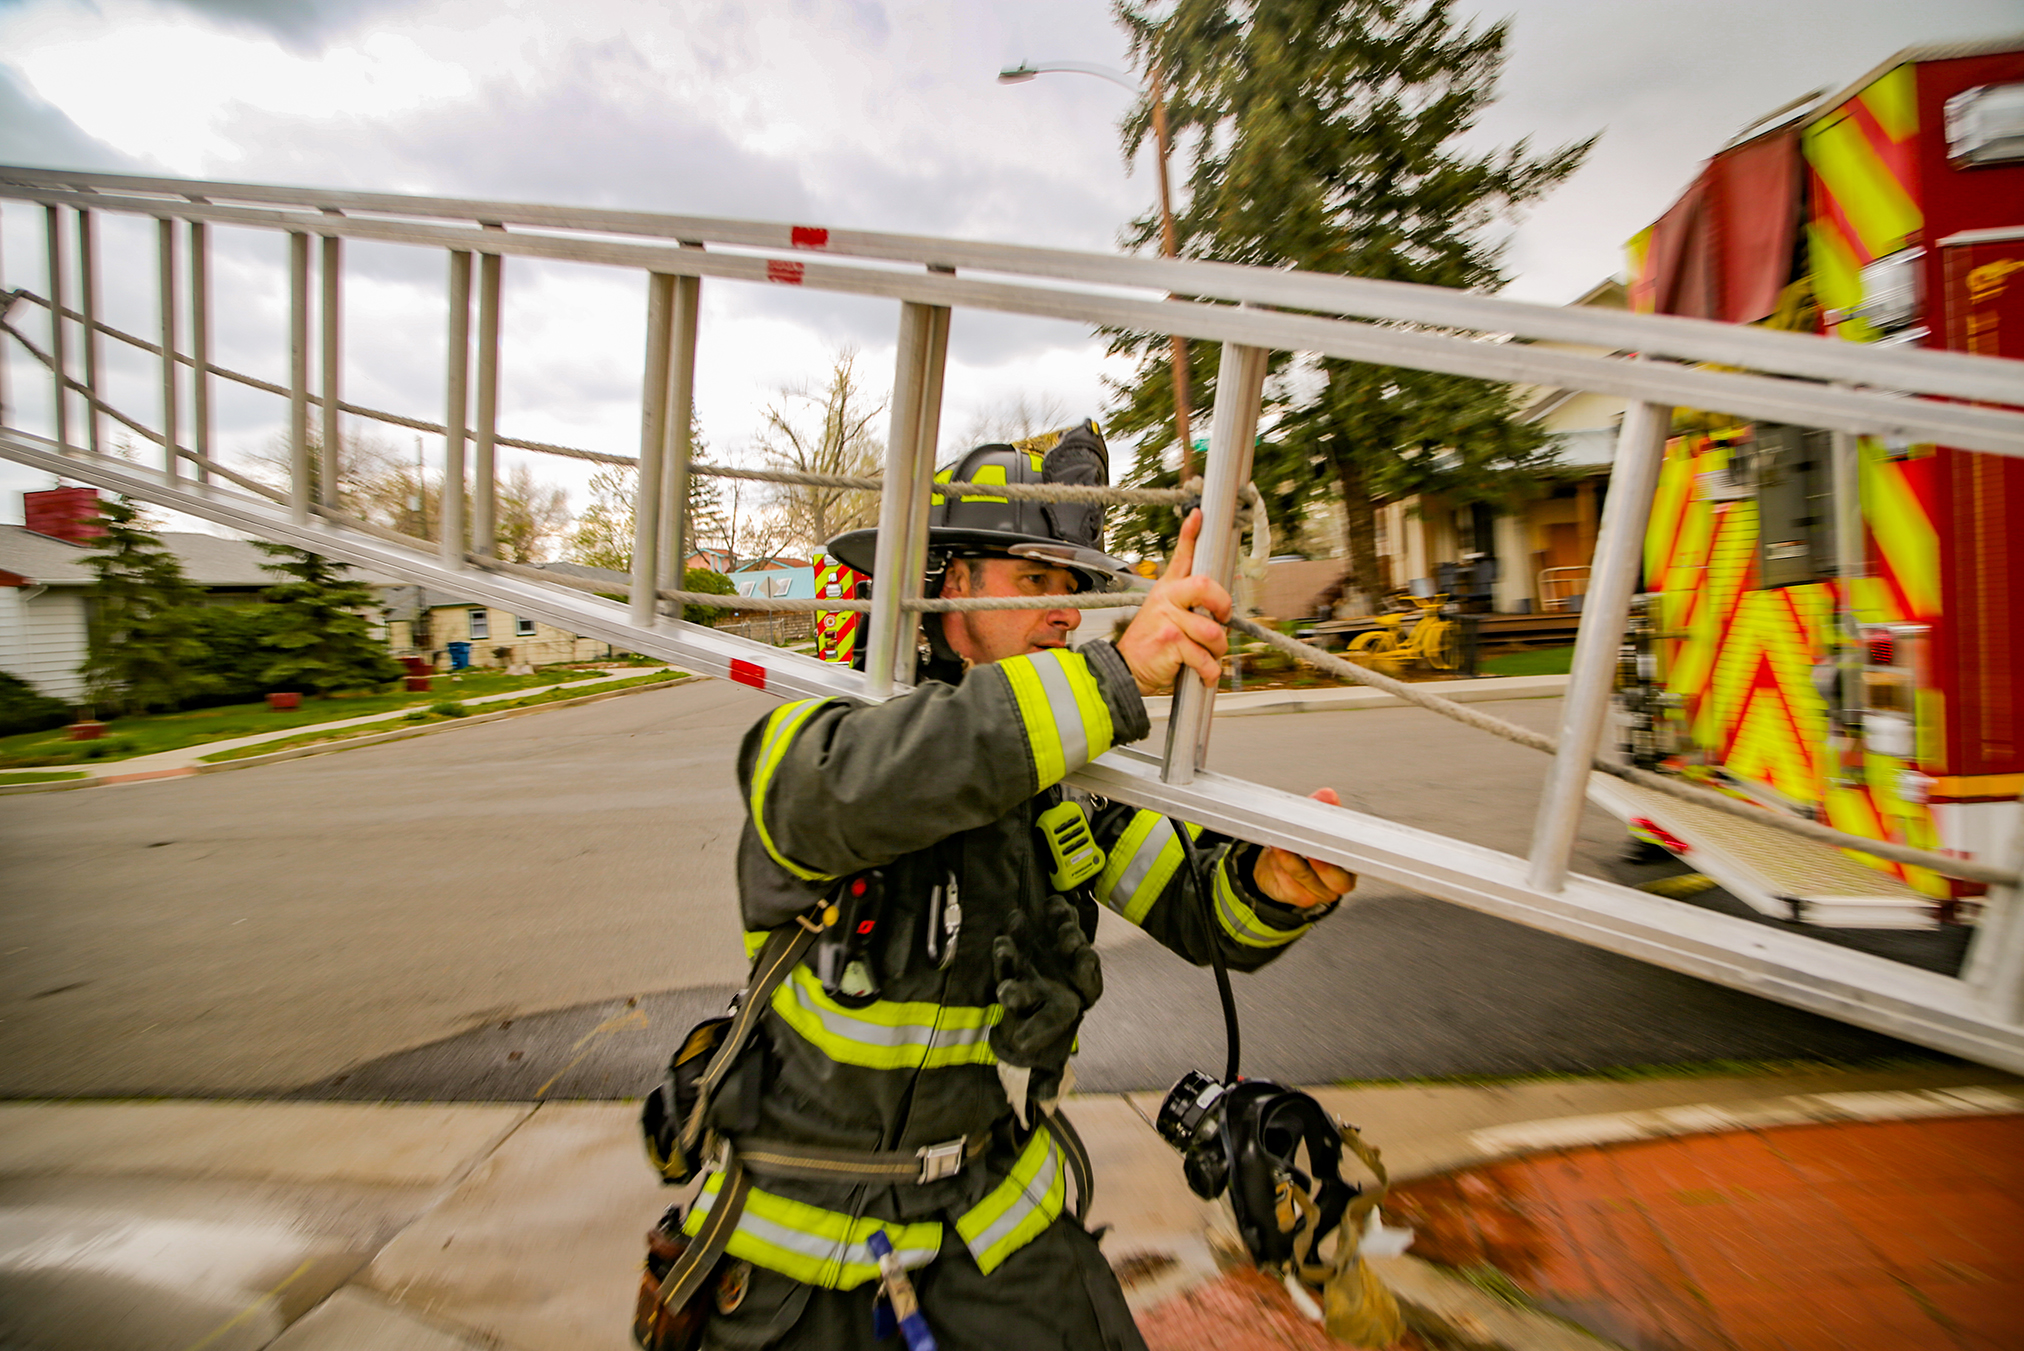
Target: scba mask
<point>1275,1150</point>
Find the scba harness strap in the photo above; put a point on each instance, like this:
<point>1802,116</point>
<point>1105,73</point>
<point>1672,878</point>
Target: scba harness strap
<point>677,1141</point>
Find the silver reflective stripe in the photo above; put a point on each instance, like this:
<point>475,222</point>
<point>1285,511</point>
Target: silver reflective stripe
<point>1143,860</point>
<point>1032,1197</point>
<point>1242,921</point>
<point>813,1246</point>
<point>868,1033</point>
<point>1067,712</point>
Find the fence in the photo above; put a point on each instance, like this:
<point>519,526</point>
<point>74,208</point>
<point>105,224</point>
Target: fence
<point>1906,395</point>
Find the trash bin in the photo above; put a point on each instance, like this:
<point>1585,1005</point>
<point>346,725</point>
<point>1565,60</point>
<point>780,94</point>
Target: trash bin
<point>460,655</point>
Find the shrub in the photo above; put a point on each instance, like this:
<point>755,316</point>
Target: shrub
<point>23,708</point>
<point>448,708</point>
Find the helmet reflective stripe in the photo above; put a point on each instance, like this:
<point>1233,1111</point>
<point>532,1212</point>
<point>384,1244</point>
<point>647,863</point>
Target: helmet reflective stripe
<point>1141,864</point>
<point>780,729</point>
<point>991,473</point>
<point>1026,1202</point>
<point>886,1035</point>
<point>813,1245</point>
<point>1067,722</point>
<point>1241,922</point>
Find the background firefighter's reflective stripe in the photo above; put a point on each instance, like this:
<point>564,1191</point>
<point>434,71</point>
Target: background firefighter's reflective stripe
<point>1741,658</point>
<point>1240,921</point>
<point>781,725</point>
<point>1141,864</point>
<point>887,1035</point>
<point>1026,1202</point>
<point>810,1244</point>
<point>1865,201</point>
<point>1067,722</point>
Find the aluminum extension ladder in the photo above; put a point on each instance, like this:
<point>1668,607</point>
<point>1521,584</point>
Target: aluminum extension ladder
<point>1923,396</point>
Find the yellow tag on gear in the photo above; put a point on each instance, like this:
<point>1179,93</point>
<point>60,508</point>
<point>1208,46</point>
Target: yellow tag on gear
<point>1077,856</point>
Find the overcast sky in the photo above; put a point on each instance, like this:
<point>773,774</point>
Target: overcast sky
<point>854,113</point>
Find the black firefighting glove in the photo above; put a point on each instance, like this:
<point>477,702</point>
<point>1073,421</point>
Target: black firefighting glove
<point>1047,975</point>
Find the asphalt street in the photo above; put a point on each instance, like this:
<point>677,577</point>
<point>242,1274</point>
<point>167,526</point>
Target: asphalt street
<point>539,907</point>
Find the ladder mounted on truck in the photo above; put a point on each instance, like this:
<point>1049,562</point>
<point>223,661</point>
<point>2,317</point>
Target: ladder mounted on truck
<point>1847,389</point>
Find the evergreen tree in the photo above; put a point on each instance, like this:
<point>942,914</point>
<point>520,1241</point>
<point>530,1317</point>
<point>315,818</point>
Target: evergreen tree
<point>318,641</point>
<point>1324,138</point>
<point>140,646</point>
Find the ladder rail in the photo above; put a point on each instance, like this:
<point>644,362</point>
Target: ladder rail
<point>1950,374</point>
<point>1797,401</point>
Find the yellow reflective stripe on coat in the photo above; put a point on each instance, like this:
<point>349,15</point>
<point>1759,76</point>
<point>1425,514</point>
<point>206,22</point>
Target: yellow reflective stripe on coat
<point>887,1035</point>
<point>781,726</point>
<point>1142,863</point>
<point>812,1245</point>
<point>1067,723</point>
<point>1026,1202</point>
<point>1241,922</point>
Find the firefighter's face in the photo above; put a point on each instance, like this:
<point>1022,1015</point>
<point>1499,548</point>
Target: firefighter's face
<point>985,636</point>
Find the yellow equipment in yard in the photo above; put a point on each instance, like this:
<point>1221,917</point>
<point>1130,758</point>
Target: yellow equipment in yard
<point>1434,639</point>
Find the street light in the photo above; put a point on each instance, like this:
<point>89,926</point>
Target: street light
<point>1027,70</point>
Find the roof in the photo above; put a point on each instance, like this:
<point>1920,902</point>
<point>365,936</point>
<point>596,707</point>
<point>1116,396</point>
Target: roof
<point>208,560</point>
<point>437,600</point>
<point>1945,51</point>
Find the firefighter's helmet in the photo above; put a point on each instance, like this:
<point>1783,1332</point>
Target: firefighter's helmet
<point>1066,534</point>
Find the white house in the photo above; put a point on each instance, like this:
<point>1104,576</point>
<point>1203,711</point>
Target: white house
<point>45,586</point>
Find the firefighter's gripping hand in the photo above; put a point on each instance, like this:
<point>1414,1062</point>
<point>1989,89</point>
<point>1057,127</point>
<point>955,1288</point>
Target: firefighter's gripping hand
<point>1304,883</point>
<point>1047,975</point>
<point>1167,634</point>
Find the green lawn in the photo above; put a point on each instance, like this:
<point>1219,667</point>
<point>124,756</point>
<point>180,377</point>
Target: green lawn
<point>144,735</point>
<point>428,714</point>
<point>1537,661</point>
<point>40,776</point>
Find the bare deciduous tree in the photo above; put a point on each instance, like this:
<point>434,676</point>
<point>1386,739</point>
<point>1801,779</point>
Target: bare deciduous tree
<point>1010,420</point>
<point>838,439</point>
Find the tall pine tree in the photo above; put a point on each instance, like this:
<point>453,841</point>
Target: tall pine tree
<point>1325,137</point>
<point>317,642</point>
<point>140,644</point>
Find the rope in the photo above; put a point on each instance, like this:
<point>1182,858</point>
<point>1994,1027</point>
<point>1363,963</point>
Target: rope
<point>1037,492</point>
<point>1942,864</point>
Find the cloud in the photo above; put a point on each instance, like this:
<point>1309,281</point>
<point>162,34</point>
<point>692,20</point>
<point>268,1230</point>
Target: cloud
<point>299,26</point>
<point>35,133</point>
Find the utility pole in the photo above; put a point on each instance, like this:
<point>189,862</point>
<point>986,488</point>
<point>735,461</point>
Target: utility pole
<point>1169,246</point>
<point>1169,249</point>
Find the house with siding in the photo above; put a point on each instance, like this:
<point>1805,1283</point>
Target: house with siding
<point>45,597</point>
<point>423,623</point>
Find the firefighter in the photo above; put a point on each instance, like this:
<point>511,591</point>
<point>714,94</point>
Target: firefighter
<point>934,1019</point>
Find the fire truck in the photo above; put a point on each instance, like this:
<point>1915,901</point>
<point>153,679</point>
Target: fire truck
<point>1833,626</point>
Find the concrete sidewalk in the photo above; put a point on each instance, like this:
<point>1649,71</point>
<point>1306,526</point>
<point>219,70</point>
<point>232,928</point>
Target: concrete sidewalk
<point>186,757</point>
<point>315,1226</point>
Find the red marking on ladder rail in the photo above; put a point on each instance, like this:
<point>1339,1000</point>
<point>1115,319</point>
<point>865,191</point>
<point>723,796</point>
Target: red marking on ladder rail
<point>788,274</point>
<point>810,237</point>
<point>748,673</point>
<point>1665,837</point>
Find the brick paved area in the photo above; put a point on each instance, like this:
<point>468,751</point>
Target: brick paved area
<point>1897,1234</point>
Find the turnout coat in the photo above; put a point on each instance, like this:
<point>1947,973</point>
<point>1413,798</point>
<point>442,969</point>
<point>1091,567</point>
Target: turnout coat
<point>939,786</point>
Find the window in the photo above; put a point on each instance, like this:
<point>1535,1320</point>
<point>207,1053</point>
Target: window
<point>481,624</point>
<point>523,628</point>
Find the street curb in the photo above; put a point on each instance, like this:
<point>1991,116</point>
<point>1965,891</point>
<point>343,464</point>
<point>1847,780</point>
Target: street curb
<point>344,744</point>
<point>1496,1143</point>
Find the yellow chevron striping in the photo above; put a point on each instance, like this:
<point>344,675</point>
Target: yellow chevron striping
<point>1893,99</point>
<point>1907,540</point>
<point>1878,206</point>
